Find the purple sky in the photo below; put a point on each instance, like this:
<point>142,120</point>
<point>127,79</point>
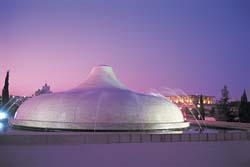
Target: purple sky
<point>194,45</point>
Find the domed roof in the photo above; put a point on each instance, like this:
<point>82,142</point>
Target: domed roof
<point>102,102</point>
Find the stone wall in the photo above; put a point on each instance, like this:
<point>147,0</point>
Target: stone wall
<point>95,138</point>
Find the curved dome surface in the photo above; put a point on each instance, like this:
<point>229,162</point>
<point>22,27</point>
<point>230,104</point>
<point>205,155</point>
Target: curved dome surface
<point>102,102</point>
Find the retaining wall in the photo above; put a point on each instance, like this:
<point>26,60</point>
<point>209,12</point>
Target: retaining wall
<point>95,138</point>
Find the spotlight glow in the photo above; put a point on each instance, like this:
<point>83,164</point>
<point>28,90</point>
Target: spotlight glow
<point>3,115</point>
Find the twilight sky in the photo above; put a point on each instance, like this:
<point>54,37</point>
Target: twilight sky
<point>195,45</point>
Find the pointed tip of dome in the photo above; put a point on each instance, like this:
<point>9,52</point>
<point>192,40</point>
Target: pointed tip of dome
<point>103,65</point>
<point>102,76</point>
<point>101,68</point>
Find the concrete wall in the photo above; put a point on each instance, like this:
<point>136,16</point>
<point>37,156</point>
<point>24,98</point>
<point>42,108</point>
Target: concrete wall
<point>109,138</point>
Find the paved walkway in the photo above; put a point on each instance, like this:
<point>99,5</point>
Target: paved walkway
<point>178,154</point>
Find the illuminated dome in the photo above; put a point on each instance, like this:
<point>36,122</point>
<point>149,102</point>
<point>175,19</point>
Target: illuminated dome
<point>102,102</point>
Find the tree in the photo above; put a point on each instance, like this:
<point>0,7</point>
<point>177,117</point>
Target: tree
<point>202,110</point>
<point>5,92</point>
<point>244,97</point>
<point>212,112</point>
<point>195,113</point>
<point>225,95</point>
<point>224,112</point>
<point>244,110</point>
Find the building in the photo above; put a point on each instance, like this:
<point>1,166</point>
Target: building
<point>45,90</point>
<point>102,102</point>
<point>192,103</point>
<point>190,100</point>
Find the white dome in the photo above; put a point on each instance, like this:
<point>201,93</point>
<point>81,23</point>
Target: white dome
<point>100,103</point>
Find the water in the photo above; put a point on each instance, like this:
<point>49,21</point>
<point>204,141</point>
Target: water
<point>195,129</point>
<point>178,93</point>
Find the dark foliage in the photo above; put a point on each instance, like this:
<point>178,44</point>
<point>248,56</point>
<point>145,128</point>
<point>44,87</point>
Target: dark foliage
<point>223,107</point>
<point>244,110</point>
<point>202,110</point>
<point>5,91</point>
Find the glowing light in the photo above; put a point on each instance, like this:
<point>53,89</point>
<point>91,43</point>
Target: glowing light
<point>3,115</point>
